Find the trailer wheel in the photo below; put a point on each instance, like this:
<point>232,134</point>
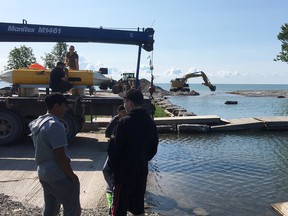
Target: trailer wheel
<point>117,89</point>
<point>103,86</point>
<point>70,124</point>
<point>11,127</point>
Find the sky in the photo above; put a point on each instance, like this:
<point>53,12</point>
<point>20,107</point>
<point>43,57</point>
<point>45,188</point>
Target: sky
<point>232,41</point>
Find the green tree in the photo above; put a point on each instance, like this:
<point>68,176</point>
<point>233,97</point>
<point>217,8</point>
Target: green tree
<point>20,58</point>
<point>57,54</point>
<point>283,37</point>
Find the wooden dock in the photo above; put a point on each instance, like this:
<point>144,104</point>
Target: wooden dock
<point>212,123</point>
<point>281,208</point>
<point>260,123</point>
<point>207,119</point>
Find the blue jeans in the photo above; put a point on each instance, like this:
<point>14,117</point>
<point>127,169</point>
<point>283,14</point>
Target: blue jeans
<point>63,192</point>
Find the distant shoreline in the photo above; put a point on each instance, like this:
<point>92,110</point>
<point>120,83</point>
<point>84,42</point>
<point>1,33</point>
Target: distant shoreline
<point>261,93</point>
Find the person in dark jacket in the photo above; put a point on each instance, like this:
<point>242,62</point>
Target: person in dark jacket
<point>120,113</point>
<point>135,143</point>
<point>58,81</point>
<point>107,173</point>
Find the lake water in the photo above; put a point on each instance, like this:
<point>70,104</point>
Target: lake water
<point>213,103</point>
<point>235,174</point>
<point>223,174</point>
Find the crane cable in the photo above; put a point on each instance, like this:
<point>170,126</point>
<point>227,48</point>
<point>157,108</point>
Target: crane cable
<point>152,87</point>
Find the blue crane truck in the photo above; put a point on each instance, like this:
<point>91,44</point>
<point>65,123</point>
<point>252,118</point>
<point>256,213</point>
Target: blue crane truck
<point>17,111</point>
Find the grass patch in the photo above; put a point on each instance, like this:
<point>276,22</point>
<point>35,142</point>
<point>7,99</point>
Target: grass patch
<point>160,112</point>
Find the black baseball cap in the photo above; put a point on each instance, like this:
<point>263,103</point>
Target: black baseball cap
<point>60,63</point>
<point>56,97</point>
<point>135,96</point>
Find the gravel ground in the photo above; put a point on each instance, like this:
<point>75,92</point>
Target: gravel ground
<point>9,207</point>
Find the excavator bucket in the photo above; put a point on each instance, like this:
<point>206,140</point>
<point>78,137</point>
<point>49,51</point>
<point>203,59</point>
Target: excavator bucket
<point>212,88</point>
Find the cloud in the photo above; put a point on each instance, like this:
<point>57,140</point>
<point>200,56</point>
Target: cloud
<point>226,74</point>
<point>85,64</point>
<point>161,76</point>
<point>3,62</point>
<point>114,72</point>
<point>173,71</point>
<point>192,70</point>
<point>221,75</point>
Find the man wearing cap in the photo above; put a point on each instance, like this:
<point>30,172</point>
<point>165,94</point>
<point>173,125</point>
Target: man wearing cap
<point>59,182</point>
<point>135,144</point>
<point>58,81</point>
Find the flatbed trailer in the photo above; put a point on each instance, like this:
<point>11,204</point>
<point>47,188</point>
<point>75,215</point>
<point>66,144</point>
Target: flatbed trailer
<point>16,112</point>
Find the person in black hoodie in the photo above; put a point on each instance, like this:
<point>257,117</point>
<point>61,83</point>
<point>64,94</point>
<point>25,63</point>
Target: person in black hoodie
<point>135,143</point>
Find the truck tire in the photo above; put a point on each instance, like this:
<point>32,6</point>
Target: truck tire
<point>70,124</point>
<point>117,89</point>
<point>103,86</point>
<point>11,127</point>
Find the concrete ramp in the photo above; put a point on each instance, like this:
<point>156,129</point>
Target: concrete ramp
<point>281,208</point>
<point>19,180</point>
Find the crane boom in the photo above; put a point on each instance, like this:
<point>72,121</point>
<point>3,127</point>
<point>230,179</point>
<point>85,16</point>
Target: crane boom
<point>23,32</point>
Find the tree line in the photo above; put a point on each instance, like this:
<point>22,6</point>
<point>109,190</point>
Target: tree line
<point>23,56</point>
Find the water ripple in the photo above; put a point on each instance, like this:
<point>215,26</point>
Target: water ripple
<point>224,174</point>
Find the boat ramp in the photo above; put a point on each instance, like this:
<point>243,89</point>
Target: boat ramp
<point>281,208</point>
<point>212,123</point>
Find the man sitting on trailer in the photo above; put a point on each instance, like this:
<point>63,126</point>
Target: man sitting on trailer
<point>59,79</point>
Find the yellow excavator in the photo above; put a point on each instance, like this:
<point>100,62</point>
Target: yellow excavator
<point>180,84</point>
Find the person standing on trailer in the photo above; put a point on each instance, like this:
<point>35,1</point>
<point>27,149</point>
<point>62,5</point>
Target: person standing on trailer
<point>72,59</point>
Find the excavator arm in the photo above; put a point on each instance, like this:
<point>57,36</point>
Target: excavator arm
<point>180,84</point>
<point>207,82</point>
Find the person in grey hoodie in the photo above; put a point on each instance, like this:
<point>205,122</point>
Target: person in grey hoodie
<point>59,182</point>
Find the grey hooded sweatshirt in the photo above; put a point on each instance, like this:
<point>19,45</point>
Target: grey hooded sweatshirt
<point>48,133</point>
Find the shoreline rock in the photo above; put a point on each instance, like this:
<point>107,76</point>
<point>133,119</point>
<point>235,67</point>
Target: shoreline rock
<point>262,93</point>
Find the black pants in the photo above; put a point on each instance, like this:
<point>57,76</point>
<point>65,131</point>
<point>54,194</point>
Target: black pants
<point>63,86</point>
<point>128,196</point>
